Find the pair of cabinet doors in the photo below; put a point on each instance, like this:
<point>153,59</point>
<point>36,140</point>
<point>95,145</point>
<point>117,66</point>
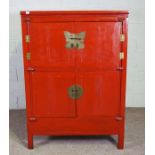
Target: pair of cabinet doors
<point>74,68</point>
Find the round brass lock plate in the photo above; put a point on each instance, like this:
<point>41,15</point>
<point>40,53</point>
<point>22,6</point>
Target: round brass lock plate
<point>75,91</point>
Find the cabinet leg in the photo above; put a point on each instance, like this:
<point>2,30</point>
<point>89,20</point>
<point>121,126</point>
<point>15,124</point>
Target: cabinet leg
<point>30,141</point>
<point>120,144</point>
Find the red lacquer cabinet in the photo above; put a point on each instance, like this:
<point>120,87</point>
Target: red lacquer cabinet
<point>75,72</point>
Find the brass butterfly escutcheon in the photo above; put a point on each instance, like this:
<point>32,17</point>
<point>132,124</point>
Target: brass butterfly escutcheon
<point>74,40</point>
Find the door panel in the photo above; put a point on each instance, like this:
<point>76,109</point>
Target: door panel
<point>50,94</point>
<point>47,45</point>
<point>101,90</point>
<point>101,93</point>
<point>102,45</point>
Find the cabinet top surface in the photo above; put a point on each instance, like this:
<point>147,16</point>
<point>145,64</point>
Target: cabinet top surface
<point>103,12</point>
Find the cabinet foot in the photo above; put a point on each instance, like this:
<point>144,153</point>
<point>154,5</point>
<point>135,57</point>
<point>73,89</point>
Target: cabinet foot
<point>30,142</point>
<point>120,144</point>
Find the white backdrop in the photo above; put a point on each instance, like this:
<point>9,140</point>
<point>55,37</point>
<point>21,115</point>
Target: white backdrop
<point>136,45</point>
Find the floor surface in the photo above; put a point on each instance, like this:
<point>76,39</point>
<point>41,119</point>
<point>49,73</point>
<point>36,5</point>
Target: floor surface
<point>100,145</point>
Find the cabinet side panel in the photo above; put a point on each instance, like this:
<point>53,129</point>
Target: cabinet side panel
<point>124,65</point>
<point>123,89</point>
<point>26,63</point>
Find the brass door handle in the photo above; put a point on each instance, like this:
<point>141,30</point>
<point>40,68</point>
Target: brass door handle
<point>75,91</point>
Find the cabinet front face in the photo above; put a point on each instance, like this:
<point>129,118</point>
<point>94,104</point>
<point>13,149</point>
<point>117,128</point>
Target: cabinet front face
<point>101,93</point>
<point>50,96</point>
<point>83,94</point>
<point>48,45</point>
<point>75,72</point>
<point>102,45</point>
<point>92,47</point>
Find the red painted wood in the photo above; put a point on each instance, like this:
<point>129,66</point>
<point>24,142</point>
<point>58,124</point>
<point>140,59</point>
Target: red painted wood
<point>105,12</point>
<point>50,94</point>
<point>102,45</point>
<point>50,45</point>
<point>96,68</point>
<point>74,126</point>
<point>70,16</point>
<point>101,94</point>
<point>123,87</point>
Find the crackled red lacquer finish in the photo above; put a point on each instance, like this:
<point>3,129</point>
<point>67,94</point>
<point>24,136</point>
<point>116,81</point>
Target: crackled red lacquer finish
<point>51,69</point>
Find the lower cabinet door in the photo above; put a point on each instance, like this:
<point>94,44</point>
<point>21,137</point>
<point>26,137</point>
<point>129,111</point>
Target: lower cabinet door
<point>101,93</point>
<point>49,95</point>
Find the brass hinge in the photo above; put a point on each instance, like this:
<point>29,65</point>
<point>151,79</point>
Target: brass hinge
<point>122,37</point>
<point>121,55</point>
<point>28,55</point>
<point>27,38</point>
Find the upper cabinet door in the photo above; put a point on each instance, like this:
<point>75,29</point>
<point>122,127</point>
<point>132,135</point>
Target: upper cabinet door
<point>101,45</point>
<point>48,45</point>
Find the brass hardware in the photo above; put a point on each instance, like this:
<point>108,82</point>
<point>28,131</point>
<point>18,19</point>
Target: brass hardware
<point>32,119</point>
<point>74,40</point>
<point>75,91</point>
<point>121,55</point>
<point>122,38</point>
<point>28,55</point>
<point>27,38</point>
<point>30,69</point>
<point>118,118</point>
<point>27,12</point>
<point>119,68</point>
